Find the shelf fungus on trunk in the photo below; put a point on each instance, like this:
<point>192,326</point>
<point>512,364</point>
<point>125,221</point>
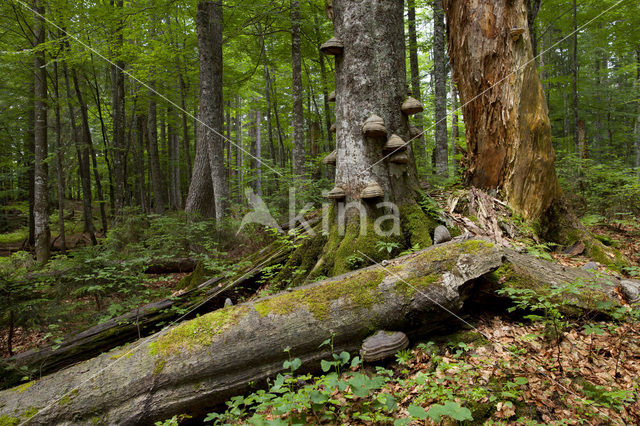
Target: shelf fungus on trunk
<point>336,193</point>
<point>395,144</point>
<point>372,191</point>
<point>333,128</point>
<point>373,127</point>
<point>412,106</point>
<point>399,158</point>
<point>332,96</point>
<point>516,33</point>
<point>332,47</point>
<point>331,158</point>
<point>383,345</point>
<point>414,132</point>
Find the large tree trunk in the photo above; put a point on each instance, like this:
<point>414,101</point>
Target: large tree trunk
<point>574,79</point>
<point>42,233</point>
<point>505,112</point>
<point>296,87</point>
<point>157,179</point>
<point>203,362</point>
<point>455,131</point>
<point>209,27</point>
<point>440,76</point>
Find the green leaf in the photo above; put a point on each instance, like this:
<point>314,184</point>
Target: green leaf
<point>451,409</point>
<point>417,412</point>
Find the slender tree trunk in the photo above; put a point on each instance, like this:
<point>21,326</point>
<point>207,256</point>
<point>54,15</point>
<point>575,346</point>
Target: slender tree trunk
<point>59,155</point>
<point>84,152</point>
<point>636,139</point>
<point>421,147</point>
<point>597,137</point>
<point>259,152</point>
<point>119,120</point>
<point>440,80</point>
<point>455,131</point>
<point>296,87</point>
<point>157,179</point>
<point>574,77</point>
<point>29,148</point>
<point>239,150</point>
<point>283,155</point>
<point>186,146</point>
<point>267,100</point>
<point>42,233</point>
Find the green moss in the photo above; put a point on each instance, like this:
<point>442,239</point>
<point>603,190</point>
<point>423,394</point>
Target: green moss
<point>345,248</point>
<point>360,289</point>
<point>9,420</point>
<point>160,363</point>
<point>301,262</point>
<point>417,284</point>
<point>192,280</point>
<point>23,387</point>
<point>66,400</point>
<point>608,256</point>
<point>198,332</point>
<point>417,225</point>
<point>29,412</point>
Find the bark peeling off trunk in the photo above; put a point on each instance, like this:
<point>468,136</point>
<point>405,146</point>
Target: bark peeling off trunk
<point>205,361</point>
<point>506,116</point>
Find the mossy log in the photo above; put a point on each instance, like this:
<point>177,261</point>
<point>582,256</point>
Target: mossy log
<point>136,323</point>
<point>201,363</point>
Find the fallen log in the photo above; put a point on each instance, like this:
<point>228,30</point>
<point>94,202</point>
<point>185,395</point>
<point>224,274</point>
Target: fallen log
<point>137,323</point>
<point>201,363</point>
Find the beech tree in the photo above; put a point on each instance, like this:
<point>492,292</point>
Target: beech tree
<point>373,162</point>
<point>41,190</point>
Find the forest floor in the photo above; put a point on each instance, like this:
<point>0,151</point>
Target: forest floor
<point>506,371</point>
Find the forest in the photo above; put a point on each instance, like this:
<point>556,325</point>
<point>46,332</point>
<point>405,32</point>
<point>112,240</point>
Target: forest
<point>289,212</point>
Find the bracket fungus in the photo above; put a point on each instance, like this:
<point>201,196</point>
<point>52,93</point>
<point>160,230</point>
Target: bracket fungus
<point>399,158</point>
<point>332,96</point>
<point>395,143</point>
<point>336,193</point>
<point>372,191</point>
<point>374,127</point>
<point>516,33</point>
<point>331,158</point>
<point>414,132</point>
<point>412,106</point>
<point>333,47</point>
<point>382,345</point>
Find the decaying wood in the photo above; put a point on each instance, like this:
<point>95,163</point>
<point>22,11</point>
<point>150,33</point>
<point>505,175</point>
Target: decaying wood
<point>139,322</point>
<point>203,362</point>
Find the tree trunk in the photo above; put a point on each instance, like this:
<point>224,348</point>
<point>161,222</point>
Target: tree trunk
<point>455,131</point>
<point>157,179</point>
<point>83,156</point>
<point>505,112</point>
<point>42,233</point>
<point>440,77</point>
<point>202,363</point>
<point>372,34</point>
<point>119,120</point>
<point>574,78</point>
<point>533,7</point>
<point>209,28</point>
<point>325,94</point>
<point>636,139</point>
<point>296,87</point>
<point>421,151</point>
<point>239,150</point>
<point>59,155</point>
<point>259,152</point>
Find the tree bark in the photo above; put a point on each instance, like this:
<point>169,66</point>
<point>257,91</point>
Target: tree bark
<point>455,131</point>
<point>157,179</point>
<point>119,120</point>
<point>440,77</point>
<point>59,155</point>
<point>42,233</point>
<point>259,152</point>
<point>506,117</point>
<point>296,87</point>
<point>533,7</point>
<point>209,28</point>
<point>421,151</point>
<point>83,156</point>
<point>574,78</point>
<point>203,362</point>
